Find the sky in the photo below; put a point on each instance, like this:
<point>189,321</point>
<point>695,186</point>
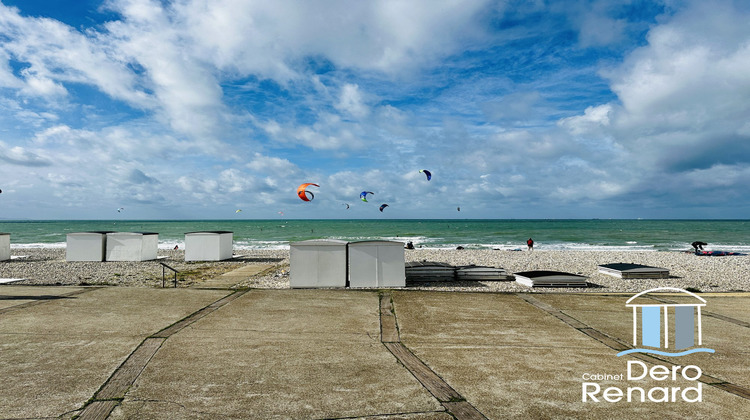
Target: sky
<point>194,109</point>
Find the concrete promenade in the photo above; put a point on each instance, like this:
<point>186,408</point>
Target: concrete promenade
<point>136,353</point>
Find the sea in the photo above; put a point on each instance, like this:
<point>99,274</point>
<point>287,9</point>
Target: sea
<point>506,234</point>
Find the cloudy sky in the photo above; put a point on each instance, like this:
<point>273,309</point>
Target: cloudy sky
<point>520,109</point>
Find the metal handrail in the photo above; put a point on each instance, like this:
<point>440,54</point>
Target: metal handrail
<point>163,266</point>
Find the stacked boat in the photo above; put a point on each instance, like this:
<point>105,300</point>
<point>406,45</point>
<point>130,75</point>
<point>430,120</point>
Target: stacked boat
<point>482,273</point>
<point>431,271</point>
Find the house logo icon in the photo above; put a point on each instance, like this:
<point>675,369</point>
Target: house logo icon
<point>685,335</point>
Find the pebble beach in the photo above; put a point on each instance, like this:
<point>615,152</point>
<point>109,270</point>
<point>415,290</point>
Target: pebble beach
<point>47,266</point>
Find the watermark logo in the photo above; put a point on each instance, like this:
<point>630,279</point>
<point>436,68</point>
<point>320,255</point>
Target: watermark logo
<point>667,329</point>
<point>655,319</point>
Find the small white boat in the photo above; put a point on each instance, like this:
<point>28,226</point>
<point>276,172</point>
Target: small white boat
<point>542,278</point>
<point>634,271</point>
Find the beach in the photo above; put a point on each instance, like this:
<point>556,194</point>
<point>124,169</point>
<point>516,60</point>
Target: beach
<point>47,266</point>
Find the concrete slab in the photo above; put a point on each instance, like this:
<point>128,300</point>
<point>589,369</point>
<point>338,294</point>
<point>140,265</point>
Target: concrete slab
<point>11,295</point>
<point>58,353</point>
<point>53,375</point>
<point>730,341</point>
<point>300,313</point>
<point>279,354</point>
<point>113,310</point>
<point>479,318</point>
<point>256,377</point>
<point>729,362</point>
<point>233,277</point>
<point>582,302</point>
<point>547,382</point>
<point>318,354</point>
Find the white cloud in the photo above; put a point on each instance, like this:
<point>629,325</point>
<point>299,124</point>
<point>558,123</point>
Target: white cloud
<point>268,38</point>
<point>21,156</point>
<point>351,101</point>
<point>235,101</point>
<point>329,132</point>
<point>270,164</point>
<point>593,120</point>
<point>692,70</point>
<point>42,86</point>
<point>185,87</point>
<point>685,93</point>
<point>55,54</point>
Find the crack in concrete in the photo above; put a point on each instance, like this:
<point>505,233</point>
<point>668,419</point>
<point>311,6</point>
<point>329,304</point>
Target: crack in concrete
<point>38,300</point>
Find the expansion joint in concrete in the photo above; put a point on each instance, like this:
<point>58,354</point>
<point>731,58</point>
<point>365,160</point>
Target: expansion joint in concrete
<point>454,403</point>
<point>114,389</point>
<point>388,322</point>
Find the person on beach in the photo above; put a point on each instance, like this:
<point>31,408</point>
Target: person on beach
<point>530,243</point>
<point>698,246</point>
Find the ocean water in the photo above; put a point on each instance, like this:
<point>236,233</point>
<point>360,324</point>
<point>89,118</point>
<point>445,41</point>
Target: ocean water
<point>616,235</point>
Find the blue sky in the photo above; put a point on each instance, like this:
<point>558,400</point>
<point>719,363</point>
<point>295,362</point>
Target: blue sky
<point>520,109</point>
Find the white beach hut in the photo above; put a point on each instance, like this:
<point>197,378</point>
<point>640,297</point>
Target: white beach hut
<point>132,246</point>
<point>86,246</point>
<point>4,246</point>
<point>376,264</point>
<point>208,246</point>
<point>317,263</point>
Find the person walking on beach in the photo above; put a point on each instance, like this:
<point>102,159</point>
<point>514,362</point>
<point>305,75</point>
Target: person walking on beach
<point>530,243</point>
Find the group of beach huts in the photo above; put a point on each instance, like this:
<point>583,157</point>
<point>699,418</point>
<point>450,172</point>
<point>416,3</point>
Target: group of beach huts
<point>324,263</point>
<point>335,263</point>
<point>143,246</point>
<point>136,246</point>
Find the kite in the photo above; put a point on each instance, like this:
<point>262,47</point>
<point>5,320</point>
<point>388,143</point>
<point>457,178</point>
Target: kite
<point>1,191</point>
<point>347,206</point>
<point>426,172</point>
<point>363,195</point>
<point>120,209</point>
<point>302,192</point>
<point>238,210</point>
<point>382,207</point>
<point>458,208</point>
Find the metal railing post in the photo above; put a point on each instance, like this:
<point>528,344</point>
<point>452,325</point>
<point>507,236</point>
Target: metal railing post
<point>163,274</point>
